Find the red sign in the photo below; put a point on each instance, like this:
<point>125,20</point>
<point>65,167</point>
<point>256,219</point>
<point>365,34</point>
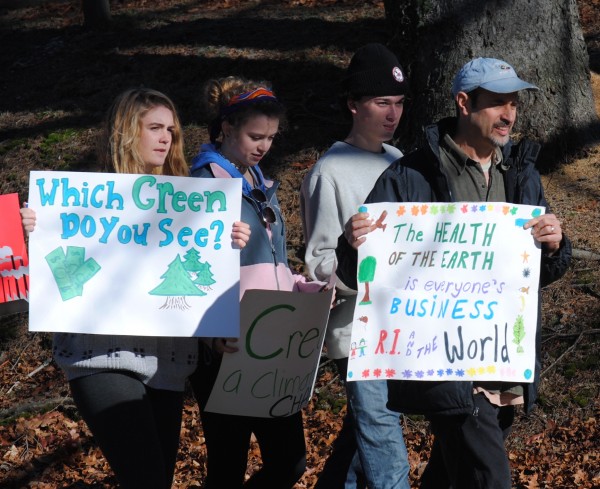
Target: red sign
<point>14,265</point>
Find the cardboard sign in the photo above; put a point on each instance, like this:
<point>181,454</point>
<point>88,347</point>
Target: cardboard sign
<point>274,371</point>
<point>142,255</point>
<point>14,264</point>
<point>447,292</point>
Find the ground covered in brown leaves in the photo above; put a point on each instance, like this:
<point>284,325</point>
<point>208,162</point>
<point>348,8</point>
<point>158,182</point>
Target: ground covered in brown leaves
<point>57,80</point>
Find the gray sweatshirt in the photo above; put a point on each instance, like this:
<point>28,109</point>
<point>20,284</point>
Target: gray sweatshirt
<point>331,193</point>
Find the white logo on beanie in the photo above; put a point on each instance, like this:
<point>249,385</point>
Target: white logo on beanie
<point>397,74</point>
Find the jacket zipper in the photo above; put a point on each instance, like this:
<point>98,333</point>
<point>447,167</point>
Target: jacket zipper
<point>275,262</point>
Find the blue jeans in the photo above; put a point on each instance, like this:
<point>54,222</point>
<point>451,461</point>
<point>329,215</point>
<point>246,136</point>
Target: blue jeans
<point>369,450</point>
<point>379,437</point>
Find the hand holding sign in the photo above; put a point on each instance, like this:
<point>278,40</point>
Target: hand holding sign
<point>546,229</point>
<point>273,372</point>
<point>447,292</point>
<point>159,238</point>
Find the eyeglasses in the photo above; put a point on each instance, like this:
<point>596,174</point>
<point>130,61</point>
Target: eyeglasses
<point>266,211</point>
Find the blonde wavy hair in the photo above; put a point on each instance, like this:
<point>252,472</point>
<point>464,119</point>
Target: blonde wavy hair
<point>120,138</point>
<point>217,93</point>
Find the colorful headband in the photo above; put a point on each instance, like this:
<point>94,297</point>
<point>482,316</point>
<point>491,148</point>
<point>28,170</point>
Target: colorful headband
<point>247,98</point>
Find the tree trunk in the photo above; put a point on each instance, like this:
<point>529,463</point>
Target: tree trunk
<point>541,39</point>
<point>367,298</point>
<point>96,13</point>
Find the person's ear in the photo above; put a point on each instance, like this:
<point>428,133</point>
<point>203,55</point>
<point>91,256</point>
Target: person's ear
<point>226,129</point>
<point>463,102</point>
<point>351,106</point>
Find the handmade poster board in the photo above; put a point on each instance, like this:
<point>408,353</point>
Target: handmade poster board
<point>142,255</point>
<point>446,292</point>
<point>274,371</point>
<point>14,263</point>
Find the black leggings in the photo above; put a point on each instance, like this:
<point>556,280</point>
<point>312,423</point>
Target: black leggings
<point>281,441</point>
<point>136,427</point>
<point>282,449</point>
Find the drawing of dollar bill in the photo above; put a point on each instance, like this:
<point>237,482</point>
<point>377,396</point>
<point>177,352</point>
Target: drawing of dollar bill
<point>71,271</point>
<point>56,261</point>
<point>74,258</point>
<point>86,271</point>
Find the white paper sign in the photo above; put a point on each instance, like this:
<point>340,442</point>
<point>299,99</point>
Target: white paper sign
<point>274,371</point>
<point>446,292</point>
<point>142,255</point>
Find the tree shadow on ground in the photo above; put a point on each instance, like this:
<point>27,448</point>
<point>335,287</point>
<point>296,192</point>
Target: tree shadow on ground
<point>78,72</point>
<point>63,456</point>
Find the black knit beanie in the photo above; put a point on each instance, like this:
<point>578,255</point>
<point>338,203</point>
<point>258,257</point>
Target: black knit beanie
<point>374,71</point>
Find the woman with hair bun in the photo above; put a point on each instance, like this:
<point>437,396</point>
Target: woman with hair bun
<point>244,118</point>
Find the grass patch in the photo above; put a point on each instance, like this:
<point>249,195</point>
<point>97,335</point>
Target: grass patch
<point>588,362</point>
<point>584,396</point>
<point>13,144</point>
<point>57,138</point>
<point>329,401</point>
<point>60,149</point>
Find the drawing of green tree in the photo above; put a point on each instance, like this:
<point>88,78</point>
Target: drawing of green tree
<point>366,274</point>
<point>204,277</point>
<point>192,261</point>
<point>199,271</point>
<point>519,333</point>
<point>176,285</point>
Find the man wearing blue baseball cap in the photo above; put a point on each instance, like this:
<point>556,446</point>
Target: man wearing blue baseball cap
<point>490,74</point>
<point>469,157</point>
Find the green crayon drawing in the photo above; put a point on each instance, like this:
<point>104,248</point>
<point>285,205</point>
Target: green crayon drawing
<point>366,274</point>
<point>519,333</point>
<point>71,271</point>
<point>204,277</point>
<point>184,278</point>
<point>199,271</point>
<point>362,345</point>
<point>176,285</point>
<point>192,261</point>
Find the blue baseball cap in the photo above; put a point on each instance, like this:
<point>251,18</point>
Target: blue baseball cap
<point>491,74</point>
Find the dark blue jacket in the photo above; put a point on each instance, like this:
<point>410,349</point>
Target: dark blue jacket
<point>418,177</point>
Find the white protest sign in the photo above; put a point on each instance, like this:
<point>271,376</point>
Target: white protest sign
<point>446,292</point>
<point>142,255</point>
<point>273,372</point>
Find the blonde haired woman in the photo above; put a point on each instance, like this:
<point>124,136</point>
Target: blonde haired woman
<point>129,389</point>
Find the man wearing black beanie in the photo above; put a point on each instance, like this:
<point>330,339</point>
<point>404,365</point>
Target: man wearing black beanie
<point>370,448</point>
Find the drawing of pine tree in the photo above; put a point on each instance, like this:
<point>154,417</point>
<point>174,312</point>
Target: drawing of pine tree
<point>192,262</point>
<point>176,285</point>
<point>204,278</point>
<point>199,271</point>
